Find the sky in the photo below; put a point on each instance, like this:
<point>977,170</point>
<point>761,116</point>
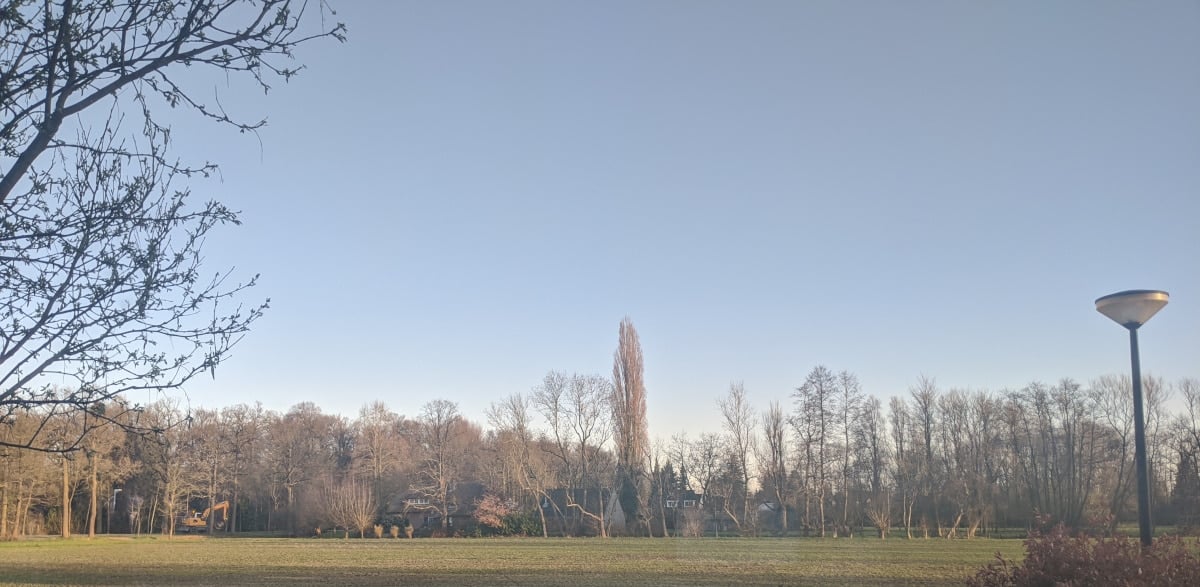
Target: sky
<point>467,195</point>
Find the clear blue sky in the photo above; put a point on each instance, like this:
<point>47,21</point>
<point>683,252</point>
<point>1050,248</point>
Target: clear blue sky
<point>470,194</point>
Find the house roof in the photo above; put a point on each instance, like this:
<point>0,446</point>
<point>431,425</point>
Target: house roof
<point>464,496</point>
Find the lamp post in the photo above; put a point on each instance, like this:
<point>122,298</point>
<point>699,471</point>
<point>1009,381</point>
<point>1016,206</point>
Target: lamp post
<point>1132,309</point>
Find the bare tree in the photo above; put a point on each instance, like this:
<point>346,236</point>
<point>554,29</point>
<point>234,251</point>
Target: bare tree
<point>379,447</point>
<point>704,466</point>
<point>773,461</point>
<point>511,419</point>
<point>814,422</point>
<point>61,58</point>
<point>1111,396</point>
<point>1185,440</point>
<point>241,436</point>
<point>298,450</point>
<point>350,504</point>
<point>579,421</point>
<point>661,484</point>
<point>30,480</point>
<point>632,436</point>
<point>907,467</point>
<point>725,491</point>
<point>879,511</point>
<point>108,463</point>
<point>849,398</point>
<point>65,427</point>
<point>167,457</point>
<point>956,490</point>
<point>97,281</point>
<point>1157,393</point>
<point>101,250</point>
<point>1059,447</point>
<point>872,438</point>
<point>209,457</point>
<point>872,457</point>
<point>984,437</point>
<point>443,453</point>
<point>679,456</point>
<point>738,423</point>
<point>924,397</point>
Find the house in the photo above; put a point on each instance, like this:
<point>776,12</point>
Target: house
<point>689,513</point>
<point>423,511</point>
<point>684,499</point>
<point>682,512</point>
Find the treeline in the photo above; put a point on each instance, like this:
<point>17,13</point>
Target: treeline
<point>828,459</point>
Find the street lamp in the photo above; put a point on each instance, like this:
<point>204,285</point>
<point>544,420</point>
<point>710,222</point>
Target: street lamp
<point>1132,309</point>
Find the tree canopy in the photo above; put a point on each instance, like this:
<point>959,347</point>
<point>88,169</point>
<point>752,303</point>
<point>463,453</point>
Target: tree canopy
<point>102,284</point>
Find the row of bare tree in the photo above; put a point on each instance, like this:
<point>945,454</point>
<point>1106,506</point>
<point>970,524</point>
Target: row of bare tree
<point>831,461</point>
<point>142,469</point>
<point>948,463</point>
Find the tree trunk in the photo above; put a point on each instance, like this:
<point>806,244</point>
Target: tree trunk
<point>807,513</point>
<point>233,509</point>
<point>153,514</point>
<point>907,505</point>
<point>66,501</point>
<point>168,513</point>
<point>603,522</point>
<point>953,531</point>
<point>846,495</point>
<point>973,526</point>
<point>291,513</point>
<point>94,501</point>
<point>212,500</point>
<point>22,514</point>
<point>821,510</point>
<point>4,512</point>
<point>662,512</point>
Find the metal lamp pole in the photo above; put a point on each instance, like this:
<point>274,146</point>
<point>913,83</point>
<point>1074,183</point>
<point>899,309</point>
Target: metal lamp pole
<point>1132,309</point>
<point>1145,526</point>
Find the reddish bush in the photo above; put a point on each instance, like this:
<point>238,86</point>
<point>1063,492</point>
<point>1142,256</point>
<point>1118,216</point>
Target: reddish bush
<point>491,510</point>
<point>1057,558</point>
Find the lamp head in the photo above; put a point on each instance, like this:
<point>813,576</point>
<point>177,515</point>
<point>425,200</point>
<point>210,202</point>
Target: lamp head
<point>1132,308</point>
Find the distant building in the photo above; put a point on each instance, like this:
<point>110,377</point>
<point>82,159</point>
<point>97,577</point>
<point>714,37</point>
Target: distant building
<point>422,512</point>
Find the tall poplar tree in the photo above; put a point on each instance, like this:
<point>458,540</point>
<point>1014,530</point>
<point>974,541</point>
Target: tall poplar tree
<point>632,434</point>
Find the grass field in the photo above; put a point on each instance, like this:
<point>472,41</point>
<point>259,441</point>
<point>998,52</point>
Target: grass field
<point>585,562</point>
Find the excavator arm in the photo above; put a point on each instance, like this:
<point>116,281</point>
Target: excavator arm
<point>198,521</point>
<point>221,508</point>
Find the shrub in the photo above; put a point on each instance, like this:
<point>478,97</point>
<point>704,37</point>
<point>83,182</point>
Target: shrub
<point>395,531</point>
<point>522,524</point>
<point>379,530</point>
<point>496,516</point>
<point>1058,558</point>
<point>692,523</point>
<point>491,510</point>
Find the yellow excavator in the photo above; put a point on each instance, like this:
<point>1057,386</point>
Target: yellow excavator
<point>198,521</point>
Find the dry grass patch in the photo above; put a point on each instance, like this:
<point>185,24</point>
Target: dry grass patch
<point>582,562</point>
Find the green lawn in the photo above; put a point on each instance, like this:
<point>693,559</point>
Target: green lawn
<point>580,561</point>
